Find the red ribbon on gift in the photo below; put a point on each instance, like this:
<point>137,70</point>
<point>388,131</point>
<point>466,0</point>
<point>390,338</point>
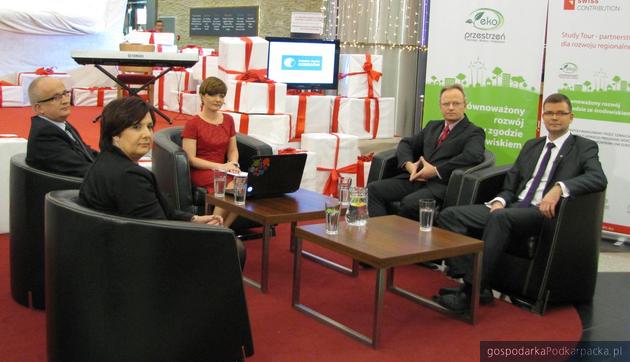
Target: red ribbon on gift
<point>193,46</point>
<point>100,93</point>
<point>361,160</point>
<point>368,69</point>
<point>291,151</point>
<point>181,98</point>
<point>334,126</point>
<point>152,38</point>
<point>249,45</point>
<point>5,84</point>
<point>300,122</point>
<point>255,77</point>
<point>243,126</point>
<point>331,185</point>
<point>162,81</point>
<point>45,71</point>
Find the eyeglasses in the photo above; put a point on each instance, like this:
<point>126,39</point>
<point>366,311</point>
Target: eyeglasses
<point>448,104</point>
<point>57,97</point>
<point>557,114</point>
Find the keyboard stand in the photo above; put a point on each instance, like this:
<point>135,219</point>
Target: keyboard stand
<point>133,92</point>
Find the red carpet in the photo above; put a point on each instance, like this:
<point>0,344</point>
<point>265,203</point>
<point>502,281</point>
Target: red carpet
<point>409,332</point>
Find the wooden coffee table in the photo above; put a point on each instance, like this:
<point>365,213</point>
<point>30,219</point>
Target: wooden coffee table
<point>385,243</point>
<point>301,205</point>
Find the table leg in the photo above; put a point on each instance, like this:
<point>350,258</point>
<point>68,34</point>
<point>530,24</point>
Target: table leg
<point>292,240</point>
<point>474,300</point>
<point>378,307</point>
<point>264,273</point>
<point>297,269</point>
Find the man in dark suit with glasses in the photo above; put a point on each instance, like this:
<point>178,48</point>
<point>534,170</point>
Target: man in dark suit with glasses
<point>547,169</point>
<point>53,144</point>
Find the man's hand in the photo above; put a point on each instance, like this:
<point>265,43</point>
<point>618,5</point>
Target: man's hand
<point>427,171</point>
<point>496,206</point>
<point>208,219</point>
<point>548,203</point>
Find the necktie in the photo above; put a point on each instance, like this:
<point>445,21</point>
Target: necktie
<point>529,196</point>
<point>78,140</point>
<point>443,135</point>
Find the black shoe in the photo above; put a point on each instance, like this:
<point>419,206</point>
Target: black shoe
<point>457,302</point>
<point>485,297</point>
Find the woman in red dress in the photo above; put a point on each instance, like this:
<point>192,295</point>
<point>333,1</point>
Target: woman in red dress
<point>209,140</point>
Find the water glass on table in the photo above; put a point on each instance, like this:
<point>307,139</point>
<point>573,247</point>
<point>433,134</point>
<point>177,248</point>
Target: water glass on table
<point>357,213</point>
<point>427,210</point>
<point>332,209</point>
<point>344,190</point>
<point>240,188</point>
<point>220,179</point>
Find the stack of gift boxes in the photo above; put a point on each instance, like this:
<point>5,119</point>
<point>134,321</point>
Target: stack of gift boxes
<point>327,128</point>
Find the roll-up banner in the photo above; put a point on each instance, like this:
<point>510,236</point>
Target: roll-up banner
<point>494,48</point>
<point>588,53</point>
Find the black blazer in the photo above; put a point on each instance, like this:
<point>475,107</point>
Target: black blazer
<point>463,147</point>
<point>50,149</point>
<point>577,166</point>
<point>117,185</point>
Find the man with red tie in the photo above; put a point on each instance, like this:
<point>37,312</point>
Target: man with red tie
<point>547,169</point>
<point>53,144</point>
<point>428,158</point>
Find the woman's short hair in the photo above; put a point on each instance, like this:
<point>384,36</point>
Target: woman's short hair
<point>119,115</point>
<point>212,86</point>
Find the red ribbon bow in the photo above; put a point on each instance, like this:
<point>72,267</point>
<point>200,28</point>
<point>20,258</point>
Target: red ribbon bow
<point>291,151</point>
<point>5,84</point>
<point>372,75</point>
<point>45,71</point>
<point>255,76</point>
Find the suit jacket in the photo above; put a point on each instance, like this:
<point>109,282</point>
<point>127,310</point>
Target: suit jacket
<point>463,147</point>
<point>50,149</point>
<point>577,166</point>
<point>117,185</point>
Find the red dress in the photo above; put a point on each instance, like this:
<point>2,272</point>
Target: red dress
<point>213,141</point>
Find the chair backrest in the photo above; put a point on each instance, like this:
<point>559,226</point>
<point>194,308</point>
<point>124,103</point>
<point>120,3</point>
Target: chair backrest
<point>454,195</point>
<point>135,47</point>
<point>121,289</point>
<point>28,186</point>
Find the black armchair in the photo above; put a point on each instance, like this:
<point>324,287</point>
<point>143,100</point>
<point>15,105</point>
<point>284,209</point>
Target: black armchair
<point>28,187</point>
<point>120,289</point>
<point>557,264</point>
<point>172,170</point>
<point>385,165</point>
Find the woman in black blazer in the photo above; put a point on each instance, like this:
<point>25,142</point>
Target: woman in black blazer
<point>115,183</point>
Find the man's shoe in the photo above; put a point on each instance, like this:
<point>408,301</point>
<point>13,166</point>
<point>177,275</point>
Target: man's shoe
<point>457,302</point>
<point>453,290</point>
<point>485,297</point>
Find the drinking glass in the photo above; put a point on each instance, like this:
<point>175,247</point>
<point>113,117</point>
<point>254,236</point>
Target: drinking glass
<point>240,188</point>
<point>219,183</point>
<point>344,191</point>
<point>357,213</point>
<point>427,210</point>
<point>332,207</point>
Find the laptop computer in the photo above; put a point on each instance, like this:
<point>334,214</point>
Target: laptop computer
<point>274,175</point>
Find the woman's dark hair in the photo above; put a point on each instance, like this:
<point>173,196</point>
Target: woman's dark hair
<point>212,86</point>
<point>119,115</point>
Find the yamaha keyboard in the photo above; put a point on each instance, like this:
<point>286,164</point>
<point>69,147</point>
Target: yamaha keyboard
<point>103,57</point>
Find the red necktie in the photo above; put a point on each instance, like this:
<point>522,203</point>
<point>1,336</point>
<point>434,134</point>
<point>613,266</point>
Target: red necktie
<point>443,135</point>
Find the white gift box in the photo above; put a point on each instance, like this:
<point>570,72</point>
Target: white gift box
<point>194,49</point>
<point>167,87</point>
<point>207,66</point>
<point>11,96</point>
<point>93,96</point>
<point>327,146</point>
<point>273,129</point>
<point>150,37</point>
<point>232,56</point>
<point>161,48</point>
<point>25,79</point>
<point>352,114</point>
<point>188,102</point>
<point>354,79</point>
<point>256,97</point>
<point>312,116</point>
<point>309,176</point>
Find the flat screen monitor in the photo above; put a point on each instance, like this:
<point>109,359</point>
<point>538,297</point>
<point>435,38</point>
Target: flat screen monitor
<point>303,63</point>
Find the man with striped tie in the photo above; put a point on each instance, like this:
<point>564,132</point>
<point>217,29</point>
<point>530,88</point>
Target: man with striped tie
<point>428,158</point>
<point>53,144</point>
<point>547,168</point>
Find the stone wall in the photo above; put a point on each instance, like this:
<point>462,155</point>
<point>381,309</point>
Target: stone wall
<point>274,16</point>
